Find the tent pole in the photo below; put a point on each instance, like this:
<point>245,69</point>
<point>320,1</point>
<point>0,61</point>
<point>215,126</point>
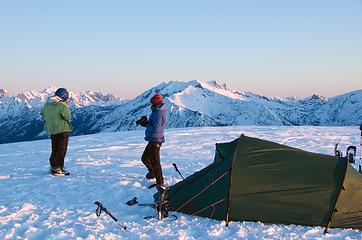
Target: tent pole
<point>227,219</point>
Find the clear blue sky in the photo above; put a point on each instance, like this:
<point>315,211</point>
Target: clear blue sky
<point>271,47</point>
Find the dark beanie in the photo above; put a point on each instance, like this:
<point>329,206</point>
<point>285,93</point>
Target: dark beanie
<point>62,93</point>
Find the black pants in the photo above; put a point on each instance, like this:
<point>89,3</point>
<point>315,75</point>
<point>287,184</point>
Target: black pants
<point>59,149</point>
<point>151,159</point>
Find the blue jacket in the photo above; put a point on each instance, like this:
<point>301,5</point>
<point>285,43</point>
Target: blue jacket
<point>156,124</point>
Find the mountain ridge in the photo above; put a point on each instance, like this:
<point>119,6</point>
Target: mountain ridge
<point>189,104</point>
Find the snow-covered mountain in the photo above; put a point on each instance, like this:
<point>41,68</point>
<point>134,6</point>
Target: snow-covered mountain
<point>76,99</point>
<point>190,104</point>
<point>20,118</point>
<point>196,103</point>
<point>3,93</point>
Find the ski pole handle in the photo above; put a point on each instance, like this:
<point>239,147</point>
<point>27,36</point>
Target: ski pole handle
<point>98,204</point>
<point>175,166</point>
<point>105,210</point>
<point>99,208</point>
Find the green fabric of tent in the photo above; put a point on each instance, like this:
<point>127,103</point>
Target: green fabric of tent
<point>257,180</point>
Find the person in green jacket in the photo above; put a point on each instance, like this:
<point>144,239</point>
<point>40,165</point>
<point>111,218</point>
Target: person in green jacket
<point>57,116</point>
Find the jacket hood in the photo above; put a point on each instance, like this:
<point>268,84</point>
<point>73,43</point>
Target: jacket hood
<point>160,107</point>
<point>54,99</point>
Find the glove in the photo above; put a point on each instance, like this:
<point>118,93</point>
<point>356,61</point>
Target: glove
<point>142,121</point>
<point>360,127</point>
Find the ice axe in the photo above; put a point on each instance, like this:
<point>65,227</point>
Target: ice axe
<point>175,166</point>
<point>99,210</point>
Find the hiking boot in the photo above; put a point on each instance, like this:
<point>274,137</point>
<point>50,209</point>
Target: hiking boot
<point>150,175</point>
<point>164,214</point>
<point>59,172</point>
<point>55,169</point>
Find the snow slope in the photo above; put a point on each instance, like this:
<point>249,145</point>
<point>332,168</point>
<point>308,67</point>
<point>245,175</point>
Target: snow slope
<point>107,167</point>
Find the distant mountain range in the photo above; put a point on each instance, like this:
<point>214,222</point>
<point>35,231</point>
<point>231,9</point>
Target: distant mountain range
<point>190,104</point>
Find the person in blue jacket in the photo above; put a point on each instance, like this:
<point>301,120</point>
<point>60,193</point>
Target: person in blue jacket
<point>154,134</point>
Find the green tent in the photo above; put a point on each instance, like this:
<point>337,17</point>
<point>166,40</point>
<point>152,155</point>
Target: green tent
<point>257,180</point>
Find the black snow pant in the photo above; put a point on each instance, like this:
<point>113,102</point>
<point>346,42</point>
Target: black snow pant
<point>59,149</point>
<point>151,159</point>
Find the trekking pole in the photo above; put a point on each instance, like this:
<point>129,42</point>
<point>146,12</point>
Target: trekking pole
<point>174,165</point>
<point>360,149</point>
<point>134,201</point>
<point>99,210</point>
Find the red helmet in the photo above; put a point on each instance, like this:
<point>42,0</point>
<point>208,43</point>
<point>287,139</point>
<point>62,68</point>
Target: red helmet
<point>156,99</point>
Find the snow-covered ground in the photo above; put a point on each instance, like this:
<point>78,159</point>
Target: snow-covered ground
<point>107,167</point>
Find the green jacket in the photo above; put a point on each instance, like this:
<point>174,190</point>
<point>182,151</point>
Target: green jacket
<point>56,114</point>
